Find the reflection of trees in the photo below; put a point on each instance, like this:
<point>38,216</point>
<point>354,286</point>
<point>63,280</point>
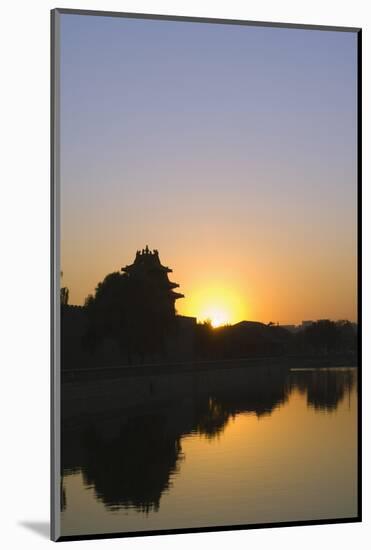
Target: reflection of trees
<point>211,418</point>
<point>325,389</point>
<point>261,395</point>
<point>63,497</point>
<point>135,466</point>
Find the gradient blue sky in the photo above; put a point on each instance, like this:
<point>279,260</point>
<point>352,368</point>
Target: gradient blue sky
<point>231,149</point>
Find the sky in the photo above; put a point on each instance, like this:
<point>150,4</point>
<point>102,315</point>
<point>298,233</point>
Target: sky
<point>230,149</point>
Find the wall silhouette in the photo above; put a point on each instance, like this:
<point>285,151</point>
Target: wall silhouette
<point>131,319</point>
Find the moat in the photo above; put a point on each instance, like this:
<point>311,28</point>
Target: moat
<point>213,447</point>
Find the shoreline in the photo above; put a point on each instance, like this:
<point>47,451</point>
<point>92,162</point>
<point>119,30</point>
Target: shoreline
<point>144,369</point>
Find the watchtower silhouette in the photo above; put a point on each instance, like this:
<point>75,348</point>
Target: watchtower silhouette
<point>149,273</point>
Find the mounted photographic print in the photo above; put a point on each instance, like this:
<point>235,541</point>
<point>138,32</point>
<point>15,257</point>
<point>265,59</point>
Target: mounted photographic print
<point>205,278</point>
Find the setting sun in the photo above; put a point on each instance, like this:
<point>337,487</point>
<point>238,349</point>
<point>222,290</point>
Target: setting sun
<point>217,303</point>
<point>216,316</point>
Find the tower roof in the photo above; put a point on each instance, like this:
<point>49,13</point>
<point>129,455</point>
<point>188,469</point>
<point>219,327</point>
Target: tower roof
<point>147,265</point>
<point>148,259</point>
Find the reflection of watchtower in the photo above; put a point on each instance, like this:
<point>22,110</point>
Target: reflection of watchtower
<point>148,271</point>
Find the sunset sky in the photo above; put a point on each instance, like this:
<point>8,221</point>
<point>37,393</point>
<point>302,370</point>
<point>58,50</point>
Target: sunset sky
<point>230,149</point>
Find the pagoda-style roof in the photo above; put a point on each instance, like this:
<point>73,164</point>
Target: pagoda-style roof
<point>148,259</point>
<point>147,265</point>
<point>177,295</point>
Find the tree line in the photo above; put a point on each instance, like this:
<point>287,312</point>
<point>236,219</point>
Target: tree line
<point>141,321</point>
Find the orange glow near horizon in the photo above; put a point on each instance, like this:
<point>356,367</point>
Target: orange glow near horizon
<point>217,316</point>
<point>227,288</point>
<point>245,186</point>
<point>216,303</point>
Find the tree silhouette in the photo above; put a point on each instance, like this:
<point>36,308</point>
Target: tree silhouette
<point>327,336</point>
<point>130,312</point>
<point>131,317</point>
<point>64,296</point>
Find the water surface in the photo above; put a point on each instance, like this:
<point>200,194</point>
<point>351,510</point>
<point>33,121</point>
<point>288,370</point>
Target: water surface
<point>237,446</point>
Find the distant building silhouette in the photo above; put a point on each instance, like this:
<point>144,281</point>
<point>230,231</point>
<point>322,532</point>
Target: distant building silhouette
<point>290,328</point>
<point>148,270</point>
<point>131,319</point>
